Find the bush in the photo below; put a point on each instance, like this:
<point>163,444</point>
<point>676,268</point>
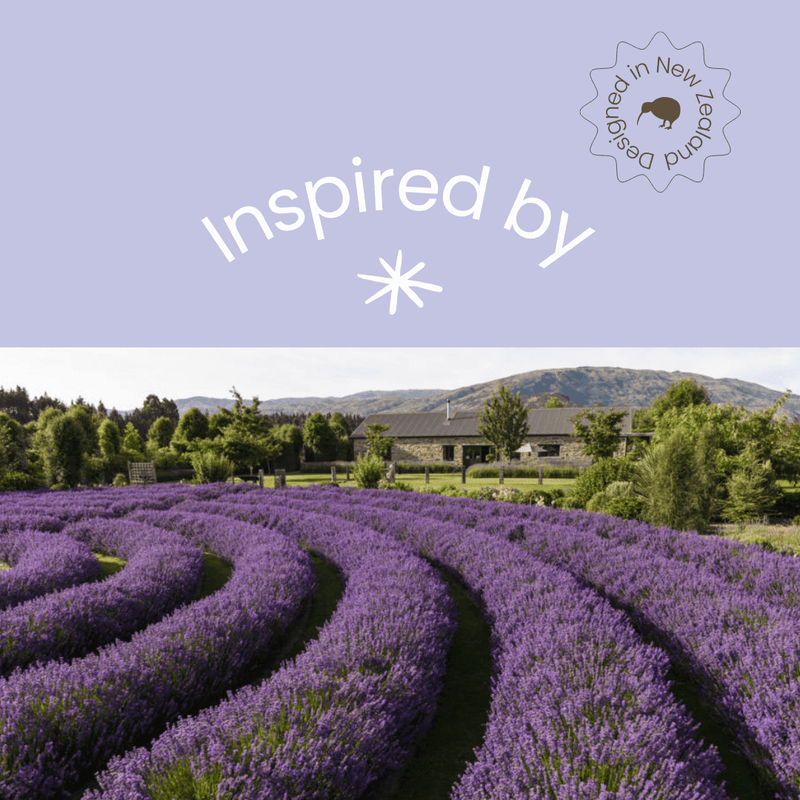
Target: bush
<point>368,471</point>
<point>751,490</point>
<point>452,491</point>
<point>397,486</point>
<point>594,479</point>
<point>120,479</point>
<point>548,471</point>
<point>210,468</point>
<point>13,481</point>
<point>166,458</point>
<point>417,467</point>
<point>534,497</point>
<point>630,506</point>
<point>614,490</point>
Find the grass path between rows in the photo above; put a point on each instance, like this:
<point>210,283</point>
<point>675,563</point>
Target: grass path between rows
<point>462,709</point>
<point>742,781</point>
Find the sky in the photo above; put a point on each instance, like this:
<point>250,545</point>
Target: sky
<point>123,377</point>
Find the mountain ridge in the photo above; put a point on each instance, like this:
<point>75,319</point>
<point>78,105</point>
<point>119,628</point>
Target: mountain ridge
<point>585,386</point>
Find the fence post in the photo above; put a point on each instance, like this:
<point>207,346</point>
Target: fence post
<point>261,478</point>
<point>541,473</point>
<point>391,471</point>
<point>347,472</point>
<point>427,474</point>
<point>463,473</point>
<point>333,473</point>
<point>502,476</point>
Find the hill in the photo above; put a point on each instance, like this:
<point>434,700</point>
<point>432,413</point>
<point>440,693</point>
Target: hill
<point>584,386</point>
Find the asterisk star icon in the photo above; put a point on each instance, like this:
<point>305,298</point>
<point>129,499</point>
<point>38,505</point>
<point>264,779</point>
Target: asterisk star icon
<point>396,281</point>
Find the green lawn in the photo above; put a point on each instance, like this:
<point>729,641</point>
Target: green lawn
<point>437,480</point>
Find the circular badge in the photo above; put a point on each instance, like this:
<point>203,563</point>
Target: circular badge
<point>660,111</point>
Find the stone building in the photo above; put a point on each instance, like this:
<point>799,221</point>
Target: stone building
<point>452,436</point>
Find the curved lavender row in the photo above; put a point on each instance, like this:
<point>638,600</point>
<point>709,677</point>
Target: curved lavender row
<point>719,615</point>
<point>163,571</point>
<point>56,508</point>
<point>339,717</point>
<point>15,519</point>
<point>580,705</point>
<point>743,651</point>
<point>770,576</point>
<point>42,563</point>
<point>727,613</point>
<point>59,719</point>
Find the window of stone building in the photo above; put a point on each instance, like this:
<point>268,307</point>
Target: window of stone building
<point>448,452</point>
<point>550,450</point>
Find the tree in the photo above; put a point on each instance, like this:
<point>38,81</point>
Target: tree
<point>152,408</point>
<point>89,421</point>
<point>246,438</point>
<point>554,402</point>
<point>679,482</point>
<point>290,438</point>
<point>680,394</point>
<point>61,444</point>
<point>160,433</point>
<point>341,430</point>
<point>193,425</point>
<point>18,405</point>
<point>378,444</point>
<point>13,445</point>
<point>132,443</point>
<point>751,489</point>
<point>600,433</point>
<point>318,436</point>
<point>109,439</point>
<point>503,422</point>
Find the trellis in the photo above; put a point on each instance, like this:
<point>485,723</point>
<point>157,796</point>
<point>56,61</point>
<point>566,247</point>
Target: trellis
<point>142,472</point>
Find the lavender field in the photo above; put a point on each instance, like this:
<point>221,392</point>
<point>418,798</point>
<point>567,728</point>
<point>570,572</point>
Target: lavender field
<point>136,686</point>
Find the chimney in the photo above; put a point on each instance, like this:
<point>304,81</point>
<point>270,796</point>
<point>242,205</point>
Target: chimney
<point>448,409</point>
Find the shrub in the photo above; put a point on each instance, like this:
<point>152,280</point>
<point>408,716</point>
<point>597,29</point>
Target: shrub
<point>418,467</point>
<point>614,489</point>
<point>630,506</point>
<point>452,491</point>
<point>120,479</point>
<point>397,486</point>
<point>679,479</point>
<point>210,467</point>
<point>13,481</point>
<point>751,492</point>
<point>534,497</point>
<point>595,478</point>
<point>548,471</point>
<point>368,471</point>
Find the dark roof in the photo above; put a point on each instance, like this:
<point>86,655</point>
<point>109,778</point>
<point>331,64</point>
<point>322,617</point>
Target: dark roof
<point>541,422</point>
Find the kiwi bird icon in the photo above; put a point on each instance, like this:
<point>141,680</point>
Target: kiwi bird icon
<point>665,108</point>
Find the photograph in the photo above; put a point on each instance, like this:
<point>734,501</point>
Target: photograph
<point>399,402</point>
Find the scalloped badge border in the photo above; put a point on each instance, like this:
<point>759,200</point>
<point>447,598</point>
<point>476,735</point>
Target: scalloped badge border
<point>597,95</point>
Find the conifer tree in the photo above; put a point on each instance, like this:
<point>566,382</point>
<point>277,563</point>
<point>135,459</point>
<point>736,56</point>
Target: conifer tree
<point>504,422</point>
